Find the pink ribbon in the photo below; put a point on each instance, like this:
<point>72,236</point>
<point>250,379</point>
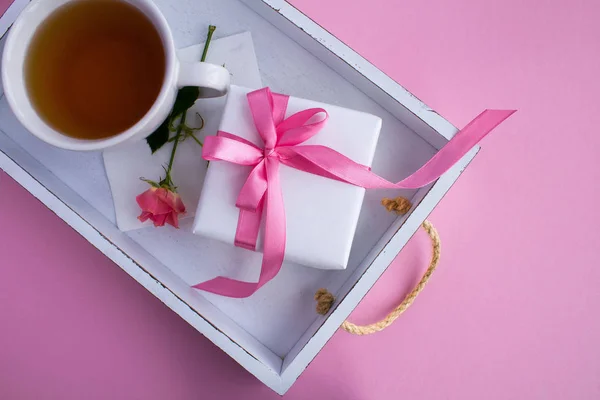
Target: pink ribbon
<point>282,137</point>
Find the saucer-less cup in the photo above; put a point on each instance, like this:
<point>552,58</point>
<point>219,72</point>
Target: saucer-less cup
<point>213,80</point>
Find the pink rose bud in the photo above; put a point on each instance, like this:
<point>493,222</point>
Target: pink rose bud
<point>161,206</point>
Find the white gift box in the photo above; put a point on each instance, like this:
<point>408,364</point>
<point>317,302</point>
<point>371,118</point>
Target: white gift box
<point>275,333</point>
<point>321,214</point>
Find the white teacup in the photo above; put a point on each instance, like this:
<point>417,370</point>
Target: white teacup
<point>213,80</point>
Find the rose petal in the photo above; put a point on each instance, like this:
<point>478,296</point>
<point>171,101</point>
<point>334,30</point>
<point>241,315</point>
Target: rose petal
<point>144,216</point>
<point>160,205</point>
<point>159,220</point>
<point>149,201</point>
<point>173,201</point>
<point>172,219</point>
<point>178,205</point>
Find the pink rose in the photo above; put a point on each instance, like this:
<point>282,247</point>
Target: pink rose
<point>161,206</point>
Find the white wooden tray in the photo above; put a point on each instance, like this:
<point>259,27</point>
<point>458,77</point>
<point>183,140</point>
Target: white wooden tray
<point>275,333</point>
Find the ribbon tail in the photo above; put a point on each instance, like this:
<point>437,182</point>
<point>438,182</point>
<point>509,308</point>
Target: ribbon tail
<point>254,189</point>
<point>245,237</point>
<point>228,287</point>
<point>275,225</point>
<point>456,148</point>
<point>250,203</point>
<point>248,228</point>
<point>324,161</point>
<point>274,248</point>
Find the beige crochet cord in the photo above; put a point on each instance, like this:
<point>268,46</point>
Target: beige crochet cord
<point>325,299</point>
<point>410,298</point>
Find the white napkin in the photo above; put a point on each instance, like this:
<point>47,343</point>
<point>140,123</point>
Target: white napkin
<point>125,165</point>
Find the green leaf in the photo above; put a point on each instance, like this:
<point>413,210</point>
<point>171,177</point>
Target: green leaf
<point>186,97</point>
<point>159,137</point>
<point>151,183</point>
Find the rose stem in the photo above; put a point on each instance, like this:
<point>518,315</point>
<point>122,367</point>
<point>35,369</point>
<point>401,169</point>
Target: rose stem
<point>211,30</point>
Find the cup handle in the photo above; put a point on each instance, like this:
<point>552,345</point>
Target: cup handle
<point>213,80</point>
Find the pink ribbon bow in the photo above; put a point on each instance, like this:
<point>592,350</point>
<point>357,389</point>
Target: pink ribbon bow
<point>282,138</point>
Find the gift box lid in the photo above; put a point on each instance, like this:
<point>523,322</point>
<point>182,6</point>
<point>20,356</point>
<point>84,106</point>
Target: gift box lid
<point>321,214</point>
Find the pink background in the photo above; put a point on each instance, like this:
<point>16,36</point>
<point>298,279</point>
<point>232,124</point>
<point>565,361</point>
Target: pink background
<point>4,6</point>
<point>512,312</point>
